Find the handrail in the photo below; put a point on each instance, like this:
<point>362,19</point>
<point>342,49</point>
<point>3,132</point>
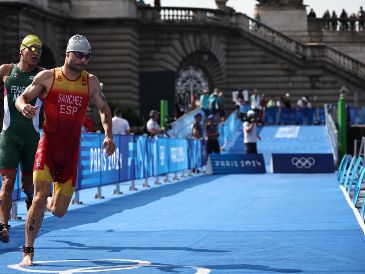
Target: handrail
<point>332,133</point>
<point>319,52</point>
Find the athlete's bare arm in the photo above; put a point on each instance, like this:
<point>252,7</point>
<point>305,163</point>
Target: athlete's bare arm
<point>38,88</point>
<point>5,70</point>
<point>105,114</point>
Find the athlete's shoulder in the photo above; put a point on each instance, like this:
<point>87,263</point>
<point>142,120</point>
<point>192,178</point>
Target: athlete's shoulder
<point>5,69</point>
<point>93,80</point>
<point>44,75</point>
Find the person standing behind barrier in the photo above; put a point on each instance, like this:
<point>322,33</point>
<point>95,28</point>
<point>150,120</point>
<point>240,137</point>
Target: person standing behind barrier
<point>197,133</point>
<point>204,102</point>
<point>212,135</point>
<point>153,127</point>
<point>250,134</point>
<point>213,103</point>
<point>88,124</point>
<point>65,92</point>
<point>120,125</point>
<point>222,109</point>
<point>255,100</point>
<point>19,137</point>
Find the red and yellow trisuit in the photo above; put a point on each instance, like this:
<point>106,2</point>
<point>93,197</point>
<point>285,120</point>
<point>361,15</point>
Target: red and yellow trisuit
<point>58,149</point>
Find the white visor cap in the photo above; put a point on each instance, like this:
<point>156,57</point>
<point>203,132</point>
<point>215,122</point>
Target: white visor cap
<point>250,113</point>
<point>78,43</point>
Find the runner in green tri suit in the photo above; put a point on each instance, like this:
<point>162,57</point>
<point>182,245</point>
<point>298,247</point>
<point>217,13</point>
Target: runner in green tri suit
<point>19,137</point>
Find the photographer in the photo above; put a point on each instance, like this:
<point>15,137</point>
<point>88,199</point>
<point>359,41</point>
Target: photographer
<point>250,132</point>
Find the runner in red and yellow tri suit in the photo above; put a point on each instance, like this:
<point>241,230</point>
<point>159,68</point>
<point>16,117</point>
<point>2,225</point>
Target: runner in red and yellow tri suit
<point>65,93</point>
<point>64,110</point>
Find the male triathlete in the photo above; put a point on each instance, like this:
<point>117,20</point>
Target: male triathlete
<point>19,137</point>
<point>65,92</point>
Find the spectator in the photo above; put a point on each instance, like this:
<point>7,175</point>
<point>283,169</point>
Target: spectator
<point>250,134</point>
<point>312,14</point>
<point>279,102</point>
<point>304,102</point>
<point>344,20</point>
<point>255,100</point>
<point>352,21</point>
<point>120,125</point>
<point>88,123</point>
<point>242,107</point>
<point>197,132</point>
<point>157,3</point>
<point>361,17</point>
<point>270,103</point>
<point>153,127</point>
<point>286,100</point>
<point>221,107</point>
<point>204,102</point>
<point>334,21</point>
<point>179,106</point>
<point>212,135</point>
<point>326,19</point>
<point>213,103</point>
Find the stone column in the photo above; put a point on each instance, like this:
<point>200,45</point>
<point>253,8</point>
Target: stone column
<point>286,16</point>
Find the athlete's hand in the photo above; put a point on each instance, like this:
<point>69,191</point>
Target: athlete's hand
<point>29,111</point>
<point>109,146</point>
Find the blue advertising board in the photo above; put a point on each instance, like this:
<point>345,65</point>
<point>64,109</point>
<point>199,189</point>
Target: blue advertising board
<point>302,163</point>
<point>162,156</point>
<point>236,164</point>
<point>91,161</point>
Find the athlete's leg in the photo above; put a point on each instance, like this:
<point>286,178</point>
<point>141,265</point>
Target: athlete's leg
<point>7,187</point>
<point>61,198</point>
<point>28,189</point>
<point>35,218</point>
<point>58,204</point>
<point>27,163</point>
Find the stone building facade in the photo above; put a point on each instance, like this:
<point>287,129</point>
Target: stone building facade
<point>144,54</point>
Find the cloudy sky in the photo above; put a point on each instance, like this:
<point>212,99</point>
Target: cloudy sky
<point>247,6</point>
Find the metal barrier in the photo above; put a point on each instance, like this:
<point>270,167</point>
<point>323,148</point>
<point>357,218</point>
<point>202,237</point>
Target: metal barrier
<point>351,175</point>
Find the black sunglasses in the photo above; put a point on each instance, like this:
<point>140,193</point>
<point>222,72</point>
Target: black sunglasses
<point>81,55</point>
<point>33,48</point>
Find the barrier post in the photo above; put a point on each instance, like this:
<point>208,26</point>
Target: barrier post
<point>14,212</point>
<point>164,113</point>
<point>132,187</point>
<point>157,181</point>
<point>76,199</point>
<point>145,184</point>
<point>175,178</point>
<point>117,190</point>
<point>98,194</point>
<point>342,126</point>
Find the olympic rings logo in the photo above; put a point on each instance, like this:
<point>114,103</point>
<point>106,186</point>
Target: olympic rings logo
<point>303,162</point>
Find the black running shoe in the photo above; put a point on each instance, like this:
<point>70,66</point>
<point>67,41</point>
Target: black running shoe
<point>4,233</point>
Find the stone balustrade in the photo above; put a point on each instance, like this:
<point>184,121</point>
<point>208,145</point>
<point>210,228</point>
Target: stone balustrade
<point>184,15</point>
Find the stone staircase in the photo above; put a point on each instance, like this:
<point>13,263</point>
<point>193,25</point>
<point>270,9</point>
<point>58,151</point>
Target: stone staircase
<point>273,63</point>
